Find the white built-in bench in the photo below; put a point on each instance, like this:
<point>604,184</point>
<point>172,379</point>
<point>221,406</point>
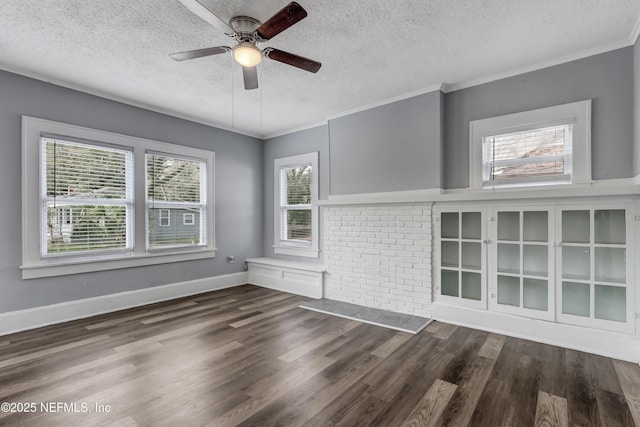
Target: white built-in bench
<point>295,277</point>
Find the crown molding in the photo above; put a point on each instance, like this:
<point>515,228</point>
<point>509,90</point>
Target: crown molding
<point>540,65</point>
<point>294,130</point>
<point>386,101</point>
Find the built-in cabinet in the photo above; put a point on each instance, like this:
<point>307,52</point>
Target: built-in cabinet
<point>563,262</point>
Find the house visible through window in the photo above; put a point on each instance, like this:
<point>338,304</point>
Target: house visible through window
<point>296,205</point>
<point>93,182</point>
<point>542,154</point>
<point>549,145</point>
<point>87,208</point>
<point>176,187</point>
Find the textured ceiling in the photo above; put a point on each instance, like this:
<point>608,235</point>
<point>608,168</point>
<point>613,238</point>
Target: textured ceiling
<point>370,51</point>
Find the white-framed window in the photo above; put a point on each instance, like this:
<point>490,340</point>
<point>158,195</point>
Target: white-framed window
<point>94,180</point>
<point>89,198</point>
<point>188,219</point>
<point>538,147</point>
<point>164,218</point>
<point>175,184</point>
<point>296,205</point>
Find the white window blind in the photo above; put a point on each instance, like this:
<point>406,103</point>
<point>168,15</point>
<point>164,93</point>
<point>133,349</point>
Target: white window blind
<point>296,204</point>
<point>175,186</point>
<point>86,193</point>
<point>530,156</point>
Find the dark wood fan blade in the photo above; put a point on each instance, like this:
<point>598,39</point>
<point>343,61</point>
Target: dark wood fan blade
<point>250,75</point>
<point>198,53</point>
<point>204,13</point>
<point>282,20</point>
<point>291,59</point>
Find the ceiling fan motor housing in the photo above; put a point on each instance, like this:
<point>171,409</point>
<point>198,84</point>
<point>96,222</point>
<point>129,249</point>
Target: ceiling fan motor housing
<point>244,26</point>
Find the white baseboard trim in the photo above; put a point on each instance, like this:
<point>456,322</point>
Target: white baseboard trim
<point>292,277</point>
<point>604,343</point>
<point>22,320</point>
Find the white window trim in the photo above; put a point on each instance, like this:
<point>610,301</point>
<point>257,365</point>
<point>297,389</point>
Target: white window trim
<point>578,113</point>
<point>192,219</point>
<point>34,266</point>
<point>290,248</point>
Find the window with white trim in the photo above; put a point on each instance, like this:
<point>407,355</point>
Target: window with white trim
<point>296,208</point>
<point>164,217</point>
<point>175,185</point>
<point>538,147</point>
<point>95,183</point>
<point>188,219</point>
<point>95,200</point>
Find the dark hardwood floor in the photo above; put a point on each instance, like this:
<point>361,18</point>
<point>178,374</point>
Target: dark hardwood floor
<point>249,356</point>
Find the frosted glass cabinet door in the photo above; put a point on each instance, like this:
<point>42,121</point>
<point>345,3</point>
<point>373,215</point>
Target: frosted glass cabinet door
<point>523,265</point>
<point>461,257</point>
<point>594,270</point>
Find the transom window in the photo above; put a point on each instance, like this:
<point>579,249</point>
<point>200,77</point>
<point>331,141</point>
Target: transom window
<point>529,156</point>
<point>538,147</point>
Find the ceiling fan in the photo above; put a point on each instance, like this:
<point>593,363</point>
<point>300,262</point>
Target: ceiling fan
<point>248,33</point>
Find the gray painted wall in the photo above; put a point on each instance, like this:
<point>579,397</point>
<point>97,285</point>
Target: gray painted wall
<point>393,147</point>
<point>606,78</point>
<point>302,142</point>
<point>636,106</point>
<point>238,174</point>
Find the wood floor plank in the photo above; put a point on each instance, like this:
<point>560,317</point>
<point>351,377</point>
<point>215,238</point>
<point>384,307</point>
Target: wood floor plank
<point>463,403</point>
<point>428,411</point>
<point>524,389</point>
<point>391,345</point>
<point>49,351</point>
<point>551,411</point>
<point>305,348</point>
<point>582,405</point>
<point>444,331</point>
<point>262,316</point>
<point>613,409</point>
<point>178,313</point>
<point>629,377</point>
<point>141,314</point>
<point>266,396</point>
<point>492,346</point>
<point>248,356</point>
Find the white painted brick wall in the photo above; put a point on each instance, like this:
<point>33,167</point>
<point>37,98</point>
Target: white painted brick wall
<point>379,256</point>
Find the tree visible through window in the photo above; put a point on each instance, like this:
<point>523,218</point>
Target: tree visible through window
<point>86,197</point>
<point>296,203</point>
<point>175,186</point>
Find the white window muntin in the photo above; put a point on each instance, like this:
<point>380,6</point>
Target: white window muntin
<point>188,219</point>
<point>34,265</point>
<point>576,113</point>
<point>200,206</point>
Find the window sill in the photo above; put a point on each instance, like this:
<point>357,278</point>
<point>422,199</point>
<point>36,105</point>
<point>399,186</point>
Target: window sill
<point>294,251</point>
<point>65,267</point>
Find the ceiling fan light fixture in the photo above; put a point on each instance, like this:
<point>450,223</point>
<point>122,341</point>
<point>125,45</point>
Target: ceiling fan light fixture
<point>247,54</point>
